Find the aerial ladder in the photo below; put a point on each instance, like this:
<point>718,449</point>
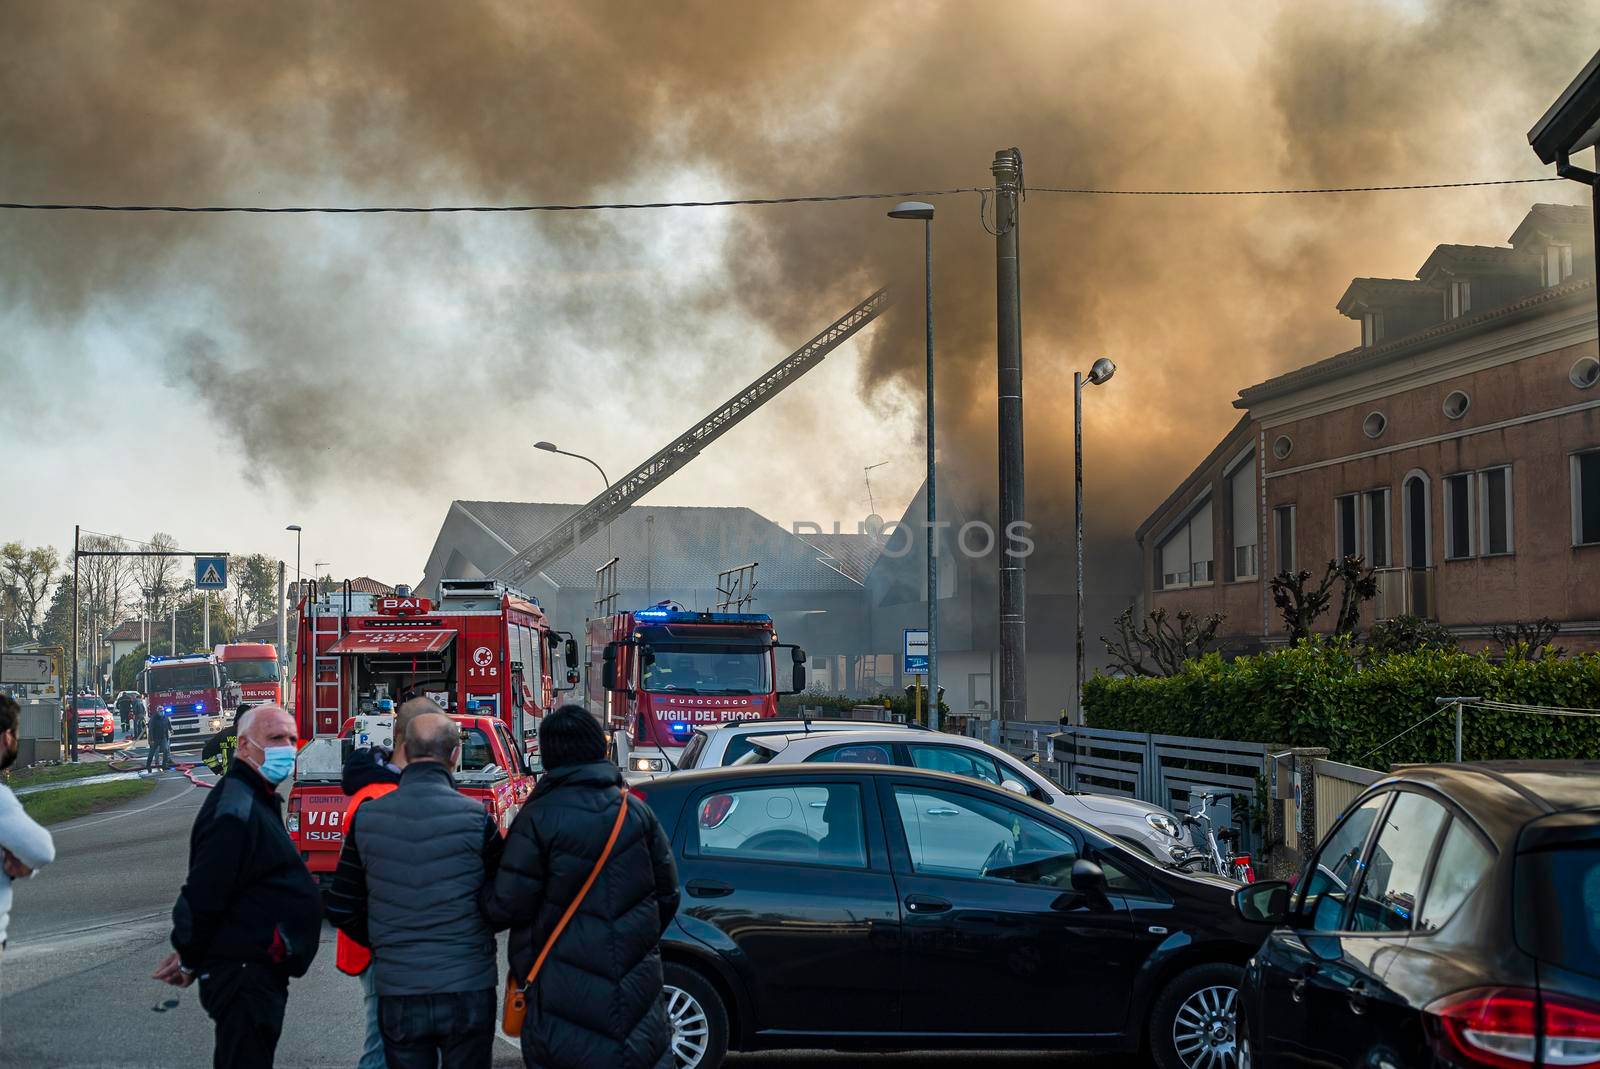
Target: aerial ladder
<point>589,519</point>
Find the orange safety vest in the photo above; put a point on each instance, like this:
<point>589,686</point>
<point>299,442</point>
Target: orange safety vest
<point>350,956</point>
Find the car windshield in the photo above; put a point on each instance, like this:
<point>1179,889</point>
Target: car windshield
<point>91,701</point>
<point>1557,906</point>
<point>702,670</point>
<point>253,671</point>
<point>182,677</point>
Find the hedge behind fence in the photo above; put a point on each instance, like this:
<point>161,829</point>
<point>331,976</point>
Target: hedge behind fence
<point>1320,694</point>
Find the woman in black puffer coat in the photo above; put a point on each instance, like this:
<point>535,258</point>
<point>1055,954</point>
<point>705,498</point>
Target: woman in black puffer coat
<point>597,1001</point>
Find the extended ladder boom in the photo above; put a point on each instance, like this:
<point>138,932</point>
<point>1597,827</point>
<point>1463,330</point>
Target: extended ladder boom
<point>590,518</point>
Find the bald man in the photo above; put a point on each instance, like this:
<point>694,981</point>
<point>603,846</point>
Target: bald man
<point>248,917</point>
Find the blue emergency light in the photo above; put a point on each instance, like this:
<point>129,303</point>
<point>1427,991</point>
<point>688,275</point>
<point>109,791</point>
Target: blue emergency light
<point>678,727</point>
<point>686,616</point>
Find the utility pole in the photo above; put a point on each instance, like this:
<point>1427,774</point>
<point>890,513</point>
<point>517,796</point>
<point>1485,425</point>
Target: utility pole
<point>283,628</point>
<point>1007,170</point>
<point>72,720</point>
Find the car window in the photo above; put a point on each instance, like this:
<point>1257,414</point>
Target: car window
<point>959,761</point>
<point>1463,862</point>
<point>476,753</point>
<point>1391,882</point>
<point>1326,887</point>
<point>951,834</point>
<point>740,745</point>
<point>691,752</point>
<point>856,753</point>
<point>1556,906</point>
<point>506,742</point>
<point>811,825</point>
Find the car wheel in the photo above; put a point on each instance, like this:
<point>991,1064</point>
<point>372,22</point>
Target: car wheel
<point>696,1017</point>
<point>1193,1024</point>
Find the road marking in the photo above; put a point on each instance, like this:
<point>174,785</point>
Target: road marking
<point>100,934</point>
<point>126,812</point>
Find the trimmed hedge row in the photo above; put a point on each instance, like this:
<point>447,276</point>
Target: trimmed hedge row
<point>1319,694</point>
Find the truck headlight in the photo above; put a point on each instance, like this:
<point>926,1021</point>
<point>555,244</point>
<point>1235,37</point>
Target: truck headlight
<point>216,724</point>
<point>1163,824</point>
<point>646,764</point>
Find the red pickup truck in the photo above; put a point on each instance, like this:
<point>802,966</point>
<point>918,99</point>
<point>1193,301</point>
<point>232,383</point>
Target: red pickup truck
<point>492,771</point>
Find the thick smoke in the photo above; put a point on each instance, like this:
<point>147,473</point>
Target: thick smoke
<point>410,102</point>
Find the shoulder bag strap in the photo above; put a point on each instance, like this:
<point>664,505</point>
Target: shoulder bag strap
<point>616,830</point>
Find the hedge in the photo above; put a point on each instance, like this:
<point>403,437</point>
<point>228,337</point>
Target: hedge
<point>1319,694</point>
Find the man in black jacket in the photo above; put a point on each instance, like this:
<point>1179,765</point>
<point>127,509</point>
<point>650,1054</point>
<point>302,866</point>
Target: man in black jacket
<point>248,917</point>
<point>413,863</point>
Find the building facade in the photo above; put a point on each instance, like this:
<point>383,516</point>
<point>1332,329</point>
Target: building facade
<point>1456,451</point>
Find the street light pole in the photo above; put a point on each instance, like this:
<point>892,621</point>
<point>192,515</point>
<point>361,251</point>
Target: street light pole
<point>1102,370</point>
<point>550,447</point>
<point>912,209</point>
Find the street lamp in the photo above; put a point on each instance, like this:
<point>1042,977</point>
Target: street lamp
<point>295,527</point>
<point>916,209</point>
<point>550,447</point>
<point>1099,373</point>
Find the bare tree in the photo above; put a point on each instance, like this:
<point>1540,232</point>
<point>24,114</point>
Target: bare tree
<point>28,573</point>
<point>157,578</point>
<point>1301,604</point>
<point>1529,642</point>
<point>1164,645</point>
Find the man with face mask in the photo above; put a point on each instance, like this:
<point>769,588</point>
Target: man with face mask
<point>27,847</point>
<point>249,916</point>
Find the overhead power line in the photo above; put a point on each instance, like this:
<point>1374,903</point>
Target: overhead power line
<point>448,209</point>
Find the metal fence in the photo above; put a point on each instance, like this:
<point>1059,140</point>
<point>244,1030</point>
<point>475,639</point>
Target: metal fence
<point>1171,771</point>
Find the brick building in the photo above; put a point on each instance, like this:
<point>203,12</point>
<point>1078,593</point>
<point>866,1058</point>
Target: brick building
<point>1456,450</point>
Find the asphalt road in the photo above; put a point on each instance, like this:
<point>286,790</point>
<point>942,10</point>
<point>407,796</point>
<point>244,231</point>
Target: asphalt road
<point>87,931</point>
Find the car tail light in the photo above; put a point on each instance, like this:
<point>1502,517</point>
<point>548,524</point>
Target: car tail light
<point>291,820</point>
<point>714,810</point>
<point>1510,1028</point>
<point>638,794</point>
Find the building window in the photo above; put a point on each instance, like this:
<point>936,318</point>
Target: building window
<point>1185,557</point>
<point>1557,264</point>
<point>1283,537</point>
<point>1585,373</point>
<point>1282,446</point>
<point>1418,521</point>
<point>1374,424</point>
<point>1458,516</point>
<point>1494,507</point>
<point>1376,528</point>
<point>1458,299</point>
<point>1586,499</point>
<point>1347,525</point>
<point>1371,329</point>
<point>1456,405</point>
<point>1242,520</point>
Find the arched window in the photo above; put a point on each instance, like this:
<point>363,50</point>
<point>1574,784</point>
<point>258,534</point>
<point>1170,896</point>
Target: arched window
<point>1415,492</point>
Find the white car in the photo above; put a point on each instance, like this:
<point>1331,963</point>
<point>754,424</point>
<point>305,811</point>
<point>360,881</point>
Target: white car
<point>722,745</point>
<point>1147,828</point>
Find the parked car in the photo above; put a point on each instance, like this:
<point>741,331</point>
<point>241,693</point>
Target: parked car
<point>856,907</point>
<point>723,744</point>
<point>1139,824</point>
<point>95,719</point>
<point>1450,918</point>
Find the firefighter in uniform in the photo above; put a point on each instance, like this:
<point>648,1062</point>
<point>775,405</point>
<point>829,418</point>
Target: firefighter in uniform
<point>218,750</point>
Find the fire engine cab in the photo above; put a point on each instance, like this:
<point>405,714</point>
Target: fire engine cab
<point>485,649</point>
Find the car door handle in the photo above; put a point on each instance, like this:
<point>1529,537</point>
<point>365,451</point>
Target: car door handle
<point>709,889</point>
<point>1357,995</point>
<point>1297,986</point>
<point>819,805</point>
<point>926,904</point>
<point>943,811</point>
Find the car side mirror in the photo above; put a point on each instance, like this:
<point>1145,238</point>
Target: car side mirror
<point>797,656</point>
<point>1014,787</point>
<point>1087,876</point>
<point>799,683</point>
<point>1263,903</point>
<point>569,650</point>
<point>608,667</point>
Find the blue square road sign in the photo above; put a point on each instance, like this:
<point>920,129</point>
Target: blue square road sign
<point>211,573</point>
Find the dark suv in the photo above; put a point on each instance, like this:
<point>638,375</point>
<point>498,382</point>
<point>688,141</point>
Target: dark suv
<point>853,906</point>
<point>1450,918</point>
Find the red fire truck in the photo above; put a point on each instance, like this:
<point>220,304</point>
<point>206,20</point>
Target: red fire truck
<point>187,690</point>
<point>665,670</point>
<point>485,649</point>
<point>254,667</point>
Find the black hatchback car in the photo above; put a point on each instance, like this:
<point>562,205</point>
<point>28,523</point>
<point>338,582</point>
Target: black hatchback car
<point>1450,918</point>
<point>862,907</point>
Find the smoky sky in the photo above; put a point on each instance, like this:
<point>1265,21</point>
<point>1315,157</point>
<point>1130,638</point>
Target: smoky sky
<point>421,102</point>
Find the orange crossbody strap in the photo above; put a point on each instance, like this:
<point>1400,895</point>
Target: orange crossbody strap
<point>616,830</point>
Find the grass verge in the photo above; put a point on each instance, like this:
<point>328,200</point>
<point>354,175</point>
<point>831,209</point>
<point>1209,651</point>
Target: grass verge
<point>32,777</point>
<point>52,807</point>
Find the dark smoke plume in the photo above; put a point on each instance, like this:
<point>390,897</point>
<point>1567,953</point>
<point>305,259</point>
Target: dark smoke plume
<point>404,102</point>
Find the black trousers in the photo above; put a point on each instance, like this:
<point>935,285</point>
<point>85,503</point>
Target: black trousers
<point>445,1031</point>
<point>247,1002</point>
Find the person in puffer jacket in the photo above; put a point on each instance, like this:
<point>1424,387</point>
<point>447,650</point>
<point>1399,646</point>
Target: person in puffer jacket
<point>597,1000</point>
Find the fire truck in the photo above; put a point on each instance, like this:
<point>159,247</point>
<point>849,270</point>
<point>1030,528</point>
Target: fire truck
<point>485,649</point>
<point>253,667</point>
<point>187,690</point>
<point>665,670</point>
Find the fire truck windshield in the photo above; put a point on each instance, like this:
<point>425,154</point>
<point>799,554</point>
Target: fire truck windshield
<point>699,670</point>
<point>252,671</point>
<point>182,677</point>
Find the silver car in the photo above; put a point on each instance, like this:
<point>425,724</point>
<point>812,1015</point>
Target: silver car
<point>1147,828</point>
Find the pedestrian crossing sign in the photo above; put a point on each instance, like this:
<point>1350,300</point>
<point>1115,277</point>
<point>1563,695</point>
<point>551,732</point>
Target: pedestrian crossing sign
<point>211,573</point>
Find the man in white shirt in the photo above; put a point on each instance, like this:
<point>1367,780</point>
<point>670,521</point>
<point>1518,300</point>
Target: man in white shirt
<point>27,846</point>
